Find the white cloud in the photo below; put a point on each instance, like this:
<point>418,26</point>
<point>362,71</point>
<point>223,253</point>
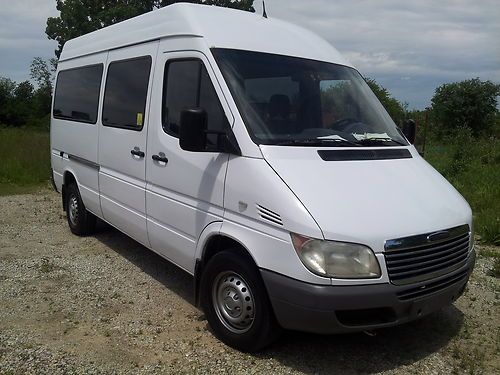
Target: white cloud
<point>34,10</point>
<point>22,35</point>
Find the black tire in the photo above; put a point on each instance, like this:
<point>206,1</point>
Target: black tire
<point>232,275</point>
<point>81,222</point>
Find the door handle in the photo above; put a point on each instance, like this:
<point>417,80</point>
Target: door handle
<point>138,153</point>
<point>159,158</point>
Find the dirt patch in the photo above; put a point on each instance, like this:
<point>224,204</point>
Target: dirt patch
<point>106,305</point>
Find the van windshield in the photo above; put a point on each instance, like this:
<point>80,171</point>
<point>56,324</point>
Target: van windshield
<point>299,102</point>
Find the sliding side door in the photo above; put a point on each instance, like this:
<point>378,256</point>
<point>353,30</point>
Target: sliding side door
<point>122,138</point>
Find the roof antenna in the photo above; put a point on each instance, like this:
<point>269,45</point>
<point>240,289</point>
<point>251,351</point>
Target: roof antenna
<point>264,9</point>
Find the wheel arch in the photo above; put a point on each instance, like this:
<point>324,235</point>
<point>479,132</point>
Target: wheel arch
<point>69,176</point>
<point>213,241</point>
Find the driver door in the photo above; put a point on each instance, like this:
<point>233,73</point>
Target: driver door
<point>185,190</point>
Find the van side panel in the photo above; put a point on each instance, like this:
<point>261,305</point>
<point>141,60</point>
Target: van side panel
<point>74,144</point>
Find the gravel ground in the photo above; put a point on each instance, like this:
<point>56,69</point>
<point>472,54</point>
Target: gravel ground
<point>106,305</point>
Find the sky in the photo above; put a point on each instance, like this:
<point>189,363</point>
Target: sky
<point>410,47</point>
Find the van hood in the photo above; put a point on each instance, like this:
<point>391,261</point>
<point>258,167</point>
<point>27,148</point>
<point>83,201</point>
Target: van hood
<point>369,201</point>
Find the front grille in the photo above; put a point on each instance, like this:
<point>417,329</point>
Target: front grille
<point>423,257</point>
<point>431,287</point>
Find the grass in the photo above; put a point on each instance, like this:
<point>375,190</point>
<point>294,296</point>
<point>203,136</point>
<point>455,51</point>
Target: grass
<point>492,252</point>
<point>468,360</point>
<point>473,167</point>
<point>25,160</point>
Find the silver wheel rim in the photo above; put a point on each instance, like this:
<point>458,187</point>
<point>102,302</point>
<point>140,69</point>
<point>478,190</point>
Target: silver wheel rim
<point>73,210</point>
<point>233,302</point>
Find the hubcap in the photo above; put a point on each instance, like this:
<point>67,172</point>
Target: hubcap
<point>233,302</point>
<point>73,210</point>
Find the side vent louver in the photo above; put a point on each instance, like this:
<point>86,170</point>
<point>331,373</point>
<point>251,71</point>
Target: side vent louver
<point>268,215</point>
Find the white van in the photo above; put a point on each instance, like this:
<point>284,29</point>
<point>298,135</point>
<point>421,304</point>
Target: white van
<point>251,154</point>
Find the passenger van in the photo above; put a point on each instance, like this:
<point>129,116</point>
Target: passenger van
<point>251,154</point>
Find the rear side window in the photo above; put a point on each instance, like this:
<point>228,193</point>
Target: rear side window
<point>77,94</point>
<point>126,92</point>
<point>188,85</point>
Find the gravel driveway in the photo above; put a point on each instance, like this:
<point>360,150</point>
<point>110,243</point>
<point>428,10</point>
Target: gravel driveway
<point>106,305</point>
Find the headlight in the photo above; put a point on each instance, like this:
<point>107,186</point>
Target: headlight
<point>340,260</point>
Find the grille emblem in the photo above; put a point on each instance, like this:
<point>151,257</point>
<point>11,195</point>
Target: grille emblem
<point>438,236</point>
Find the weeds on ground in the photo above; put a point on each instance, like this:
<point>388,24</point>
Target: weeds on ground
<point>46,266</point>
<point>473,167</point>
<point>495,271</point>
<point>472,361</point>
<point>467,359</point>
<point>489,253</point>
<point>25,159</point>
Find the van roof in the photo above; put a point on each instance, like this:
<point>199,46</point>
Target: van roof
<point>219,27</point>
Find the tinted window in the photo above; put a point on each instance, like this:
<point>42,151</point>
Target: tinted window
<point>209,101</point>
<point>187,85</point>
<point>126,92</point>
<point>275,99</point>
<point>180,91</point>
<point>77,94</point>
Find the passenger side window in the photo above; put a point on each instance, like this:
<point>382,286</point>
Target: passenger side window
<point>187,85</point>
<point>77,94</point>
<point>126,92</point>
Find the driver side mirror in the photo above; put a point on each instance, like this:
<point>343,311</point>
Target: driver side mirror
<point>410,130</point>
<point>193,134</point>
<point>193,130</point>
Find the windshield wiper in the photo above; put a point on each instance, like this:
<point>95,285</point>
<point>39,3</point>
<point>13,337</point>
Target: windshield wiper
<point>374,141</point>
<point>317,142</point>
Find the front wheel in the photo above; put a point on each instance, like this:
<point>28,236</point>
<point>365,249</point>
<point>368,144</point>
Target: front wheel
<point>236,304</point>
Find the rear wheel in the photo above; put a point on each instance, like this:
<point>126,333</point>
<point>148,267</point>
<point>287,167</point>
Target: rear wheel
<point>236,304</point>
<point>81,222</point>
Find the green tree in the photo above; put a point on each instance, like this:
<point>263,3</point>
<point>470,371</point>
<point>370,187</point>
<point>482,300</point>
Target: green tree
<point>16,102</point>
<point>7,88</point>
<point>235,4</point>
<point>78,17</point>
<point>42,72</point>
<point>468,104</point>
<point>23,104</point>
<point>395,109</point>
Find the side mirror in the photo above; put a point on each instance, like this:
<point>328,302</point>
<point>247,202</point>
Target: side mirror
<point>410,131</point>
<point>193,130</point>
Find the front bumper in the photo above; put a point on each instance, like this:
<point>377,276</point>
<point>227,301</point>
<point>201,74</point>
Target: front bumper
<point>330,309</point>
